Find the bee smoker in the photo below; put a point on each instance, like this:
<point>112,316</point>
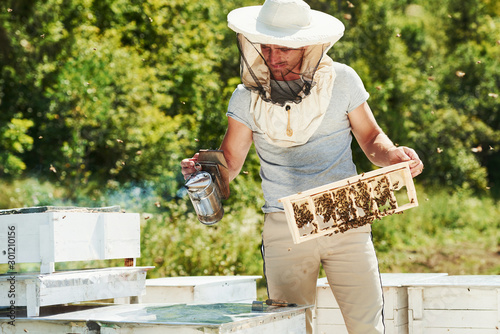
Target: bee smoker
<point>209,186</point>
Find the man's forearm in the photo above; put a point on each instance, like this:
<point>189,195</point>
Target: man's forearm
<point>377,150</point>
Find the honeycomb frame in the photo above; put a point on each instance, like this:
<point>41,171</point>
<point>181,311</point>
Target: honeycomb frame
<point>349,203</point>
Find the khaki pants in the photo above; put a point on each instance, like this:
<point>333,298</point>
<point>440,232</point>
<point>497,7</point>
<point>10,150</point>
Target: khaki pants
<point>350,264</point>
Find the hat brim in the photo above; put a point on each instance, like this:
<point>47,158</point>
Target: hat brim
<point>323,28</point>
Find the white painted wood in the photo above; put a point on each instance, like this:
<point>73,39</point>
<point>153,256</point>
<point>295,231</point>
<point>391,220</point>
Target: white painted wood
<point>34,291</point>
<point>498,310</point>
<point>462,302</point>
<point>121,237</point>
<point>27,237</point>
<point>414,325</point>
<point>460,298</point>
<point>460,318</point>
<point>326,316</point>
<point>390,327</point>
<point>443,330</point>
<point>395,301</point>
<point>50,237</point>
<point>328,329</point>
<point>139,319</point>
<point>46,244</point>
<point>415,302</point>
<point>201,289</point>
<point>488,281</point>
<point>32,298</point>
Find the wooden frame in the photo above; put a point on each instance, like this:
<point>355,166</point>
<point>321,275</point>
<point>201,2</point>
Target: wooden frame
<point>349,203</point>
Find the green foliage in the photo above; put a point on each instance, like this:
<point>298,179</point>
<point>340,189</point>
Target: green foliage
<point>13,142</point>
<point>103,98</point>
<point>453,232</point>
<point>117,92</point>
<point>179,245</point>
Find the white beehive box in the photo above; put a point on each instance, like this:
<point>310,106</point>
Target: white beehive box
<point>455,304</point>
<point>201,289</point>
<point>168,319</point>
<point>60,236</point>
<point>329,319</point>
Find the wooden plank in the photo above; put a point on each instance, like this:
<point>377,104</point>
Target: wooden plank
<point>158,294</point>
<point>460,318</point>
<point>32,299</point>
<point>201,289</point>
<point>27,237</point>
<point>47,246</point>
<point>34,291</point>
<point>415,302</point>
<point>329,316</point>
<point>498,309</point>
<point>121,237</point>
<point>49,208</point>
<point>391,328</point>
<point>329,328</point>
<point>392,301</point>
<point>449,330</point>
<point>325,298</point>
<point>488,281</point>
<point>71,236</point>
<point>414,325</point>
<point>323,218</point>
<point>460,298</point>
<point>86,285</point>
<point>232,291</point>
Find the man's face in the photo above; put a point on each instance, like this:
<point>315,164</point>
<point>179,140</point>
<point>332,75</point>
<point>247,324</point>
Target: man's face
<point>284,63</point>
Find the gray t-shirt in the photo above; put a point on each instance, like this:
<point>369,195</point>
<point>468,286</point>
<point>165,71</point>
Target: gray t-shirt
<point>325,158</point>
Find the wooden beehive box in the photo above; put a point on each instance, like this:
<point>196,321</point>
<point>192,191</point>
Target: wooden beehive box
<point>60,236</point>
<point>201,289</point>
<point>349,203</point>
<point>49,235</point>
<point>329,319</point>
<point>221,318</point>
<point>455,304</point>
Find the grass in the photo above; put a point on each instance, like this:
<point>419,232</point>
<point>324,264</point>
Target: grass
<point>457,233</point>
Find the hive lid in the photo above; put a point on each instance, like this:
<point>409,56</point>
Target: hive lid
<point>39,209</point>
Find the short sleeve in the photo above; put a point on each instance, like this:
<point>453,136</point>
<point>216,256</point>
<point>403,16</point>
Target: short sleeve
<point>354,88</point>
<point>239,106</point>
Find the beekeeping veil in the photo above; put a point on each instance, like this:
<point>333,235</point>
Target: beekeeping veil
<point>287,106</point>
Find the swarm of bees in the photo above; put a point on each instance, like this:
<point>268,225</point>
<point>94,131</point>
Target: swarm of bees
<point>347,207</point>
<point>302,215</point>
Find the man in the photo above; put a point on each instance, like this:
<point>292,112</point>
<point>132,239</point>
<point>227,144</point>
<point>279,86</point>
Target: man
<point>299,109</point>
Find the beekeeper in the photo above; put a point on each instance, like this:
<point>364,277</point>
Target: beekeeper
<point>300,109</point>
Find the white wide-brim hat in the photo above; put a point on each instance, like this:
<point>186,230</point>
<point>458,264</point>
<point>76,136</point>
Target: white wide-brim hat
<point>290,23</point>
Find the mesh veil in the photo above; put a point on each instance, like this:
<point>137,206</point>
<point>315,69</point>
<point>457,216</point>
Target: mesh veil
<point>256,76</point>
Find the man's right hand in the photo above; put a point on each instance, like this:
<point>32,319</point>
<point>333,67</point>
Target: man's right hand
<point>188,166</point>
